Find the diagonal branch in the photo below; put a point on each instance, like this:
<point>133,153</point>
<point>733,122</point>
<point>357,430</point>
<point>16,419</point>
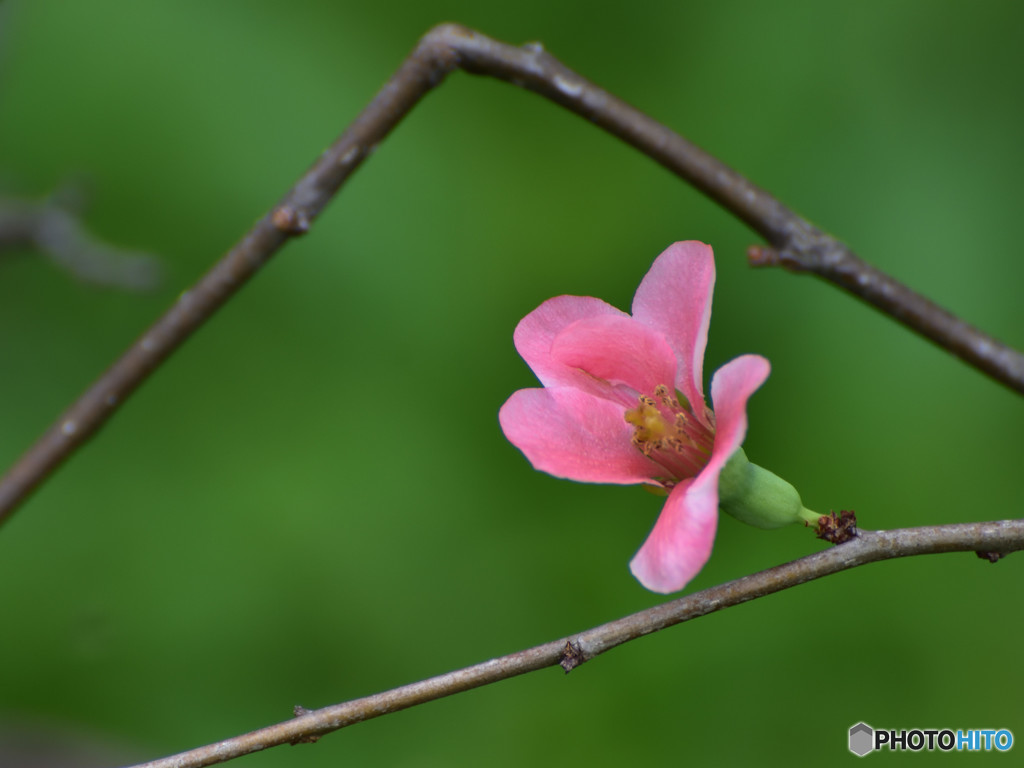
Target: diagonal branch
<point>795,243</point>
<point>991,540</point>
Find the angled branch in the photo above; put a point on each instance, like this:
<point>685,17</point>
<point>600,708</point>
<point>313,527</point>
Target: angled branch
<point>991,540</point>
<point>797,243</point>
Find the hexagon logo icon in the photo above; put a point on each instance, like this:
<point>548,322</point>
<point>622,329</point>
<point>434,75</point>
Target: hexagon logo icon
<point>862,737</point>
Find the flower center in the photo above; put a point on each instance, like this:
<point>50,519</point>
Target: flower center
<point>668,432</point>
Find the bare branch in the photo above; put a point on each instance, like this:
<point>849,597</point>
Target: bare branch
<point>995,538</point>
<point>59,234</point>
<point>797,243</point>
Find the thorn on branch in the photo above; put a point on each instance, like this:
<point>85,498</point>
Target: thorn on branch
<point>836,529</point>
<point>572,656</point>
<point>311,738</point>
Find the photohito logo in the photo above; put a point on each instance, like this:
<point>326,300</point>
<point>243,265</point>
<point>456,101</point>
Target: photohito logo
<point>865,739</point>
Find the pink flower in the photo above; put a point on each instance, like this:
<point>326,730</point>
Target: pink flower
<point>623,403</point>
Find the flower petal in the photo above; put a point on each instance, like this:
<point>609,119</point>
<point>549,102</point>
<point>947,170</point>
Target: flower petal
<point>572,434</point>
<point>681,540</point>
<point>618,350</point>
<point>731,388</point>
<point>535,333</point>
<point>674,298</point>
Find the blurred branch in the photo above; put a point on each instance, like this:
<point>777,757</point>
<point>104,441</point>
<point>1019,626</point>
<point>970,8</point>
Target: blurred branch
<point>991,540</point>
<point>795,243</point>
<point>54,230</point>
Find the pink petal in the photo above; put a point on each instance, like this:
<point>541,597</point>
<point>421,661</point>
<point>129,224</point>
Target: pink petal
<point>619,350</point>
<point>674,298</point>
<point>572,434</point>
<point>535,333</point>
<point>681,541</point>
<point>731,388</point>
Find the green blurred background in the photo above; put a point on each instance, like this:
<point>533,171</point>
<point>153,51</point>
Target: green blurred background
<point>313,501</point>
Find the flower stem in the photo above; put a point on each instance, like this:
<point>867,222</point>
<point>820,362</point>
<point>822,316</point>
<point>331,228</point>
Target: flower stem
<point>809,516</point>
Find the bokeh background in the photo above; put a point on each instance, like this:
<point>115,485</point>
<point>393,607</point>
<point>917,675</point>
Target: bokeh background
<point>312,501</point>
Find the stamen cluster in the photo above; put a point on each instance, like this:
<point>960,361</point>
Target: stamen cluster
<point>668,432</point>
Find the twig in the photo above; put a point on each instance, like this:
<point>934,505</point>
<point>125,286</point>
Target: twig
<point>795,243</point>
<point>999,537</point>
<point>57,233</point>
<point>798,244</point>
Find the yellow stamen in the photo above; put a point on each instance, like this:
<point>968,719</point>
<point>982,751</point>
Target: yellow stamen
<point>649,423</point>
<point>669,434</point>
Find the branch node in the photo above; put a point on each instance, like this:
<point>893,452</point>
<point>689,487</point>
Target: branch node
<point>290,220</point>
<point>443,44</point>
<point>837,529</point>
<point>766,256</point>
<point>762,256</point>
<point>309,738</point>
<point>992,557</point>
<point>572,656</point>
